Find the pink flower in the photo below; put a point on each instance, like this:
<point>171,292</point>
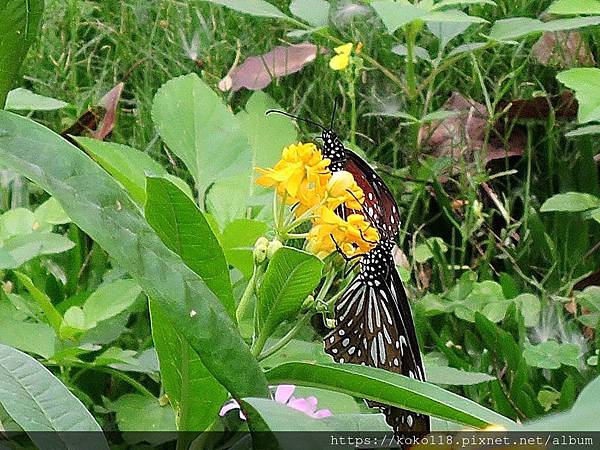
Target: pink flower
<point>283,395</point>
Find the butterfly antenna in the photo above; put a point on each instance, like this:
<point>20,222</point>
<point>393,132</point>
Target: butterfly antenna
<point>283,113</point>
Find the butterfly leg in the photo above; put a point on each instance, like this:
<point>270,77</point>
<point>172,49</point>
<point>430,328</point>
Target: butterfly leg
<point>365,239</point>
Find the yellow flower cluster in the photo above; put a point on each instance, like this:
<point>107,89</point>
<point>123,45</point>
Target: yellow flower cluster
<point>342,56</point>
<point>302,179</point>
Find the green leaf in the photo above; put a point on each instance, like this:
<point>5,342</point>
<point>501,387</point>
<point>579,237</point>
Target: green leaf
<point>423,252</point>
<point>36,338</point>
<point>315,12</point>
<point>551,355</point>
<point>388,388</point>
<point>73,323</point>
<point>110,300</point>
<point>238,243</point>
<point>24,99</point>
<point>28,246</point>
<point>15,222</point>
<point>582,417</point>
<point>129,166</point>
<point>573,7</point>
<point>530,307</point>
<point>184,229</point>
<point>49,213</point>
<point>259,8</point>
<point>450,376</point>
<point>395,15</point>
<point>143,413</point>
<point>19,26</point>
<point>38,401</point>
<point>516,27</point>
<point>571,202</point>
<point>583,131</point>
<point>52,315</point>
<point>277,417</point>
<point>585,81</point>
<point>103,210</point>
<point>196,125</point>
<point>446,3</point>
<point>290,277</point>
<point>194,393</point>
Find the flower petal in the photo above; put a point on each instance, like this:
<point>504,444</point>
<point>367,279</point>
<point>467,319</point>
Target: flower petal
<point>232,404</point>
<point>339,62</point>
<point>321,413</point>
<point>284,392</point>
<point>344,49</point>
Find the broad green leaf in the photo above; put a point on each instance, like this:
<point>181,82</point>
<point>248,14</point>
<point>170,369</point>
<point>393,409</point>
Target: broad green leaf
<point>193,121</point>
<point>290,277</point>
<point>423,252</point>
<point>28,246</point>
<point>315,12</point>
<point>103,210</point>
<point>267,134</point>
<point>115,355</point>
<point>551,355</point>
<point>583,416</point>
<point>388,388</point>
<point>109,300</point>
<point>450,376</point>
<point>49,213</point>
<point>73,323</point>
<point>15,222</point>
<point>136,412</point>
<point>184,229</point>
<point>6,260</point>
<point>52,315</point>
<point>238,243</point>
<point>582,131</point>
<point>571,202</point>
<point>419,52</point>
<point>573,7</point>
<point>36,338</point>
<point>259,8</point>
<point>516,27</point>
<point>530,307</point>
<point>277,417</point>
<point>446,3</point>
<point>229,199</point>
<point>446,31</point>
<point>296,350</point>
<point>38,401</point>
<point>129,166</point>
<point>585,81</point>
<point>19,26</point>
<point>24,99</point>
<point>395,15</point>
<point>145,362</point>
<point>194,393</point>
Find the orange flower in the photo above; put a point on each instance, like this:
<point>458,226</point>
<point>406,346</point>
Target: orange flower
<point>354,235</point>
<point>300,163</point>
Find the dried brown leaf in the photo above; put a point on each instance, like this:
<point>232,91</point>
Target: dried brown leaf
<point>256,72</point>
<point>562,49</point>
<point>460,136</point>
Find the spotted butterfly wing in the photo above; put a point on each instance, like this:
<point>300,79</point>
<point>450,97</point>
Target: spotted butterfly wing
<point>379,203</point>
<point>374,327</point>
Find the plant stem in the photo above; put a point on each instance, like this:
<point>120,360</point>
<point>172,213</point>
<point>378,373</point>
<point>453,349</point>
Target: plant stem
<point>248,292</point>
<point>411,80</point>
<point>285,339</point>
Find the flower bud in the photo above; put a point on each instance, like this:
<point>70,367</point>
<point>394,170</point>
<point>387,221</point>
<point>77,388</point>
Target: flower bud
<point>273,246</point>
<point>339,183</point>
<point>330,323</point>
<point>308,303</point>
<point>260,250</point>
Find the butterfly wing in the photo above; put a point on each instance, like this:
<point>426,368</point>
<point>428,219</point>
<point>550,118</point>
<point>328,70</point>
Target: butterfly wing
<point>379,206</point>
<point>375,328</point>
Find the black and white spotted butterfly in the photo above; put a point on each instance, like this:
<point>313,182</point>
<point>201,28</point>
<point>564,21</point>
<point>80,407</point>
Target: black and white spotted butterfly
<point>374,325</point>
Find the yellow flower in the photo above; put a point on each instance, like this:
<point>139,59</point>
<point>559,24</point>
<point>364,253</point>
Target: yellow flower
<point>342,189</point>
<point>342,58</point>
<point>354,235</point>
<point>301,166</point>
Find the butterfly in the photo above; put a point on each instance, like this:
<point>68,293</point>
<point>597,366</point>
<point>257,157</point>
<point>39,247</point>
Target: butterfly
<point>374,325</point>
